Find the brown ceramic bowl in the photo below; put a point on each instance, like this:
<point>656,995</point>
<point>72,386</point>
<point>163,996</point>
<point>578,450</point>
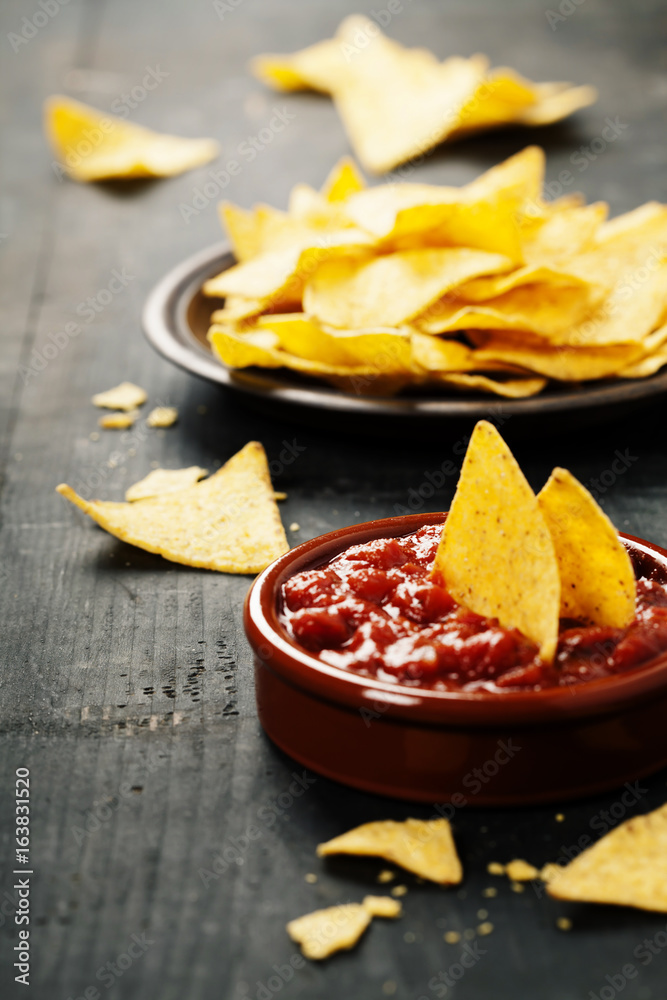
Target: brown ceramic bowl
<point>474,748</point>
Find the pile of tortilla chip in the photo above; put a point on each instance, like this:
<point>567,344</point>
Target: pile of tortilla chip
<point>398,103</point>
<point>545,557</point>
<point>486,287</point>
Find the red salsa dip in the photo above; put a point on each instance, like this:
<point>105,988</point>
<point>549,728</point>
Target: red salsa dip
<point>374,610</point>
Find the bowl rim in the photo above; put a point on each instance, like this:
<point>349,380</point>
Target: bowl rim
<point>396,702</point>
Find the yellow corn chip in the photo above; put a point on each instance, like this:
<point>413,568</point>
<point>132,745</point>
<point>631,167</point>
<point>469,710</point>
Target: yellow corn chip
<point>125,396</point>
<point>91,145</point>
<point>511,388</point>
<point>564,363</point>
<point>627,867</point>
<point>554,105</point>
<point>162,416</point>
<point>229,522</point>
<point>425,847</point>
<point>118,421</point>
<point>382,906</point>
<point>245,350</point>
<point>495,512</point>
<point>388,350</point>
<point>161,481</point>
<point>324,932</point>
<point>596,574</point>
<point>343,181</point>
<point>390,290</point>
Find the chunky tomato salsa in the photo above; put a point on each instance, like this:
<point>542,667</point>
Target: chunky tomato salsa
<point>373,609</point>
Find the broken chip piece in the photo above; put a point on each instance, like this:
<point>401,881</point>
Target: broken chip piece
<point>519,870</point>
<point>118,421</point>
<point>627,867</point>
<point>495,511</point>
<point>324,932</point>
<point>126,396</point>
<point>229,522</point>
<point>425,847</point>
<point>161,481</point>
<point>162,416</point>
<point>91,145</point>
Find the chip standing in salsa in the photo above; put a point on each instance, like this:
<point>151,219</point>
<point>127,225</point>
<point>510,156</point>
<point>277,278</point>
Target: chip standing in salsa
<point>375,610</point>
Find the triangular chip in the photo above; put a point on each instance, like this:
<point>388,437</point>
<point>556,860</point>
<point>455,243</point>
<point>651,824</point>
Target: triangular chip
<point>324,932</point>
<point>496,556</point>
<point>627,867</point>
<point>92,146</point>
<point>161,481</point>
<point>344,180</point>
<point>230,522</point>
<point>596,575</point>
<point>125,396</point>
<point>425,847</point>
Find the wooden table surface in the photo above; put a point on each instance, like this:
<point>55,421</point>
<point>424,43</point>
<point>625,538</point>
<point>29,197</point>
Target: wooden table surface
<point>126,681</point>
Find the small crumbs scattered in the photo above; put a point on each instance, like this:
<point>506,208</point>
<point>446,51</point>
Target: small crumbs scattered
<point>485,928</point>
<point>295,526</point>
<point>564,924</point>
<point>94,436</point>
<point>310,878</point>
<point>118,421</point>
<point>490,892</point>
<point>162,416</point>
<point>399,890</point>
<point>468,934</point>
<point>202,410</point>
<point>389,988</point>
<point>519,870</point>
<point>452,937</point>
<point>482,914</point>
<point>386,876</point>
<point>559,817</point>
<point>409,937</point>
<point>517,887</point>
<point>495,868</point>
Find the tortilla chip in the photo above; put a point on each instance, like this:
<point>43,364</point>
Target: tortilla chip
<point>495,512</point>
<point>383,906</point>
<point>161,481</point>
<point>425,847</point>
<point>344,180</point>
<point>597,579</point>
<point>324,932</point>
<point>118,421</point>
<point>390,290</point>
<point>261,348</point>
<point>125,396</point>
<point>627,867</point>
<point>92,146</point>
<point>162,416</point>
<point>553,106</point>
<point>229,522</point>
<point>386,350</point>
<point>567,364</point>
<point>511,388</point>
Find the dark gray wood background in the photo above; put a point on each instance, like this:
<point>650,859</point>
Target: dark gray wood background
<point>126,681</point>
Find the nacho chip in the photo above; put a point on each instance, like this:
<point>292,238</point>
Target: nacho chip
<point>390,290</point>
<point>161,481</point>
<point>324,932</point>
<point>125,396</point>
<point>425,847</point>
<point>383,906</point>
<point>627,867</point>
<point>494,511</point>
<point>118,421</point>
<point>567,364</point>
<point>344,180</point>
<point>162,416</point>
<point>597,579</point>
<point>229,522</point>
<point>510,388</point>
<point>261,348</point>
<point>387,350</point>
<point>92,146</point>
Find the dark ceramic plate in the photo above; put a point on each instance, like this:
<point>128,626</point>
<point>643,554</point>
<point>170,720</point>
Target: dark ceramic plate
<point>176,319</point>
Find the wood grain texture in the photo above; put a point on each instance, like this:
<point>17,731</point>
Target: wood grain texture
<point>126,682</point>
